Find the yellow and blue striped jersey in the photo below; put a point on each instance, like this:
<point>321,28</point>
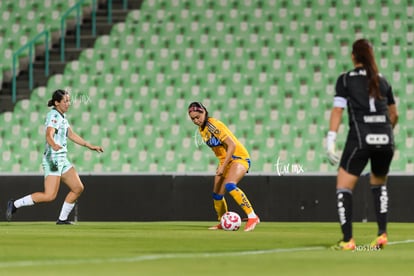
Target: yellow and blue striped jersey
<point>214,133</point>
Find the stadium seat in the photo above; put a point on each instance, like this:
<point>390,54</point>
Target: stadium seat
<point>27,19</point>
<point>266,68</point>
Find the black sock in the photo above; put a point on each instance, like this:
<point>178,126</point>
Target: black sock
<point>380,195</point>
<point>344,205</point>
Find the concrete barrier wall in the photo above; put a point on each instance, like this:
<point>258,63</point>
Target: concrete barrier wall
<point>188,197</point>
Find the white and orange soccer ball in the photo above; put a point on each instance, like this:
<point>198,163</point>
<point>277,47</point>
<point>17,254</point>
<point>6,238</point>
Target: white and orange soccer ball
<point>230,221</point>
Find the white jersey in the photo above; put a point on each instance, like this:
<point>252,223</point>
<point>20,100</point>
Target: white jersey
<point>59,122</point>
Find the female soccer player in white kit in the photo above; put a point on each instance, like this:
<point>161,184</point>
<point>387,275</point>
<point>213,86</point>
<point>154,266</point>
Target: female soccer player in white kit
<point>55,163</point>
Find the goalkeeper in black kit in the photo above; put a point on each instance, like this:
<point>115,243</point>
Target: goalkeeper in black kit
<point>369,100</point>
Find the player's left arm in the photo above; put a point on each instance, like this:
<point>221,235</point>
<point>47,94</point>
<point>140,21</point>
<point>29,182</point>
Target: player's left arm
<point>230,146</point>
<point>80,141</point>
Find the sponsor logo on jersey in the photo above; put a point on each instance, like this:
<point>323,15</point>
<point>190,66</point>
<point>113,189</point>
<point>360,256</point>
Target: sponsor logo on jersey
<point>377,139</point>
<point>375,119</point>
<point>212,128</point>
<point>358,73</point>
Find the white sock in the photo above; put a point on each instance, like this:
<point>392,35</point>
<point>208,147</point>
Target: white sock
<point>66,209</point>
<point>24,201</point>
<point>252,215</point>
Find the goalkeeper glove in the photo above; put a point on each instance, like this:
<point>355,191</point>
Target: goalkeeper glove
<point>330,148</point>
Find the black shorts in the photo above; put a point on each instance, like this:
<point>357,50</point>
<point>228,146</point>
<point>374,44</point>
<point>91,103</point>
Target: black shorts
<point>354,159</point>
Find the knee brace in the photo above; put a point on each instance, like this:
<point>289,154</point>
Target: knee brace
<point>230,187</point>
<point>217,196</point>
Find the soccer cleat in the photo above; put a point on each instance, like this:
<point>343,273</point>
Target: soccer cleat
<point>380,241</point>
<point>251,224</point>
<point>345,246</point>
<point>11,209</point>
<point>64,222</point>
<point>216,227</point>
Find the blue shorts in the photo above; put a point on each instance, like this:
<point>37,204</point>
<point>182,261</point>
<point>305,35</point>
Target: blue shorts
<point>56,165</point>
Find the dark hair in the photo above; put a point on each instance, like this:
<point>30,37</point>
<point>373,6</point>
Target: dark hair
<point>200,108</point>
<point>57,97</point>
<point>364,53</point>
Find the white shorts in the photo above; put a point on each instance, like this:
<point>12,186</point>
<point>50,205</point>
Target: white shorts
<point>57,165</point>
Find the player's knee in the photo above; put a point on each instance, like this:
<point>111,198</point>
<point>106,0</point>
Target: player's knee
<point>377,179</point>
<point>217,196</point>
<point>78,190</point>
<point>230,187</point>
<point>49,197</point>
<point>81,189</point>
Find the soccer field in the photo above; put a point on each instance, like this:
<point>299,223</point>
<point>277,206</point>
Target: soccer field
<point>188,248</point>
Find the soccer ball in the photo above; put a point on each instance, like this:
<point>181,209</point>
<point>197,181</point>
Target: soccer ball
<point>230,221</point>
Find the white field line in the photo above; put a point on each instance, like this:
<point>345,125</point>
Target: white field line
<point>400,242</point>
<point>168,256</point>
<point>154,257</point>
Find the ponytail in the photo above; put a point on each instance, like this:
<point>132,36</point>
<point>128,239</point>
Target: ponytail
<point>364,53</point>
<point>57,97</point>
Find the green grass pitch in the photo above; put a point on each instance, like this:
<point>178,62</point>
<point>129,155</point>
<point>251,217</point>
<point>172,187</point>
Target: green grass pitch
<point>188,248</point>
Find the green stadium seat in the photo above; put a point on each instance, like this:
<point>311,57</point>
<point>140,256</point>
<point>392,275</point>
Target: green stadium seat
<point>6,121</point>
<point>266,68</point>
<point>10,162</point>
<point>168,162</point>
<point>114,162</point>
<point>27,19</point>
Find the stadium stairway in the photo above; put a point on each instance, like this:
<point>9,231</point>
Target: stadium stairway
<point>56,66</point>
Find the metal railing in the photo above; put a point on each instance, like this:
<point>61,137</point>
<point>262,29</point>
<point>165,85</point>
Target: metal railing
<point>77,7</point>
<point>31,45</point>
<point>109,16</point>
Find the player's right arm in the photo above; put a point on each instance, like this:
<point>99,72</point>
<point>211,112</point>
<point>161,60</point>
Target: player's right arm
<point>392,107</point>
<point>392,110</point>
<point>335,118</point>
<point>50,132</point>
<point>230,146</point>
<point>339,104</point>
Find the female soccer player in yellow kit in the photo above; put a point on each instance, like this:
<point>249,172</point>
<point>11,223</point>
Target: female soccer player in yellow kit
<point>234,162</point>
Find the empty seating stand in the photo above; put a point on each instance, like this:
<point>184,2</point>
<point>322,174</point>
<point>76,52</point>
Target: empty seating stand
<point>266,68</point>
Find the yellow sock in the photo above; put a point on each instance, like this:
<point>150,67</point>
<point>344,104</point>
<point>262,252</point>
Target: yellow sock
<point>242,201</point>
<point>220,206</point>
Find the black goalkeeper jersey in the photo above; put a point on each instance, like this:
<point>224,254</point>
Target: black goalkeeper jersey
<point>369,121</point>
